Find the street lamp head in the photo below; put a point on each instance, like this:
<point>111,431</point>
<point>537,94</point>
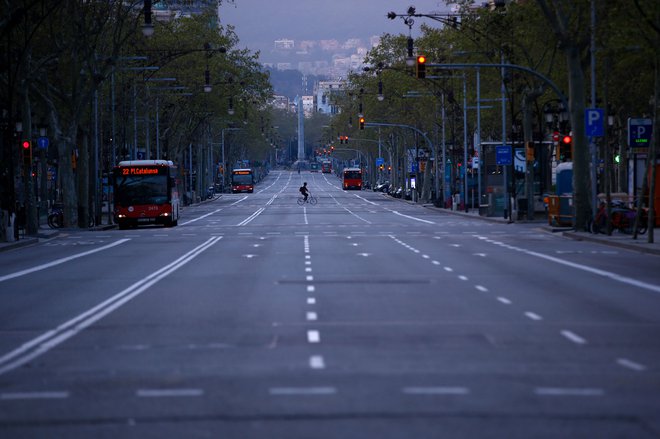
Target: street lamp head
<point>147,29</point>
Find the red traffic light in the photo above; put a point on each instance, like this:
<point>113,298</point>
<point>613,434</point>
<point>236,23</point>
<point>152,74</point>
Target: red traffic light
<point>567,140</point>
<point>25,144</point>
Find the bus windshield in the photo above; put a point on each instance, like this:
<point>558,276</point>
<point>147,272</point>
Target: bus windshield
<point>241,178</point>
<point>353,174</point>
<point>141,189</point>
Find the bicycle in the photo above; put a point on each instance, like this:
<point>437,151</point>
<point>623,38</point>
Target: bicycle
<point>623,220</point>
<point>310,199</point>
<point>56,217</point>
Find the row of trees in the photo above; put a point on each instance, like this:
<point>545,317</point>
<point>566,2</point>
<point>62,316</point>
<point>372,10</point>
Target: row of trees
<point>85,73</point>
<point>553,38</point>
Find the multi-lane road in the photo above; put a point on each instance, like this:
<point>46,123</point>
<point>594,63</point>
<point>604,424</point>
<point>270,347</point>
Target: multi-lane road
<point>359,317</point>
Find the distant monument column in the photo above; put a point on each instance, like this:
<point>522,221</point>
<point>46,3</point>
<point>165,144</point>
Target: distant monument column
<point>301,130</point>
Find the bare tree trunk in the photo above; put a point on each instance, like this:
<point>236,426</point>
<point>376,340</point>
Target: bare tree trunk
<point>82,174</point>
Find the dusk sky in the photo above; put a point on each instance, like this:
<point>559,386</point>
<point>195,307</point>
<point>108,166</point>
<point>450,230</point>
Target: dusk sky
<point>260,22</point>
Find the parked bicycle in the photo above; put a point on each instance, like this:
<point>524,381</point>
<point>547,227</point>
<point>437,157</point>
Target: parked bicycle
<point>56,217</point>
<point>311,199</point>
<point>623,219</point>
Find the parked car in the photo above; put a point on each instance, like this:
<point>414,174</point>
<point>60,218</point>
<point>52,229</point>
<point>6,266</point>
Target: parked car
<point>382,187</point>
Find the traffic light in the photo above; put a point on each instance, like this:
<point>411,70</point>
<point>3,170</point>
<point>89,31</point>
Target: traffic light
<point>362,123</point>
<point>566,148</point>
<point>332,149</point>
<point>421,67</point>
<point>26,149</point>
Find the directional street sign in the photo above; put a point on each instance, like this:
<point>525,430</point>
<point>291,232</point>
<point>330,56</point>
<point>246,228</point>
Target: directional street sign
<point>42,142</point>
<point>639,133</point>
<point>380,161</point>
<point>503,155</point>
<point>594,122</point>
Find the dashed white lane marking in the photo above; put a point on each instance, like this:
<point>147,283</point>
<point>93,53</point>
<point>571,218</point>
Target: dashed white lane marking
<point>302,391</point>
<point>449,269</point>
<point>533,316</point>
<point>33,395</point>
<point>568,391</point>
<point>631,364</point>
<point>436,262</point>
<point>504,300</point>
<point>311,288</point>
<point>573,337</point>
<point>309,278</point>
<point>311,301</point>
<point>166,393</point>
<point>435,390</point>
<point>481,288</point>
<point>312,316</point>
<point>316,362</point>
<point>308,269</point>
<point>308,262</point>
<point>313,336</point>
<point>461,277</point>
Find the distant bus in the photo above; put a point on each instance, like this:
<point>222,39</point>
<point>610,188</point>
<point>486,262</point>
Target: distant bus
<point>352,178</point>
<point>326,167</point>
<point>146,191</point>
<point>242,180</point>
<point>314,167</point>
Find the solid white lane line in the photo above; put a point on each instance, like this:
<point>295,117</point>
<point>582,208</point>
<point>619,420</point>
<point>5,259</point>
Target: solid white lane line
<point>435,390</point>
<point>311,316</point>
<point>202,217</point>
<point>302,391</point>
<point>568,391</point>
<point>33,395</point>
<point>247,220</point>
<point>607,274</point>
<point>573,337</point>
<point>316,362</point>
<point>504,300</point>
<point>533,316</point>
<point>412,217</point>
<point>631,364</point>
<point>313,336</point>
<point>60,261</point>
<point>43,343</point>
<point>164,393</point>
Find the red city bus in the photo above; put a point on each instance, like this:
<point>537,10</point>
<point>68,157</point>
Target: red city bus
<point>352,178</point>
<point>326,167</point>
<point>242,180</point>
<point>146,192</point>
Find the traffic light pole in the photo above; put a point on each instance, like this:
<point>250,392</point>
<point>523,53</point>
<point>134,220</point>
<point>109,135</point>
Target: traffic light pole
<point>399,125</point>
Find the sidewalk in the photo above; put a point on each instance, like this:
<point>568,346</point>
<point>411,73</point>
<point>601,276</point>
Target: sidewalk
<point>617,239</point>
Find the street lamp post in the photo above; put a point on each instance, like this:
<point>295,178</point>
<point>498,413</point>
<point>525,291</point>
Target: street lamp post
<point>224,163</point>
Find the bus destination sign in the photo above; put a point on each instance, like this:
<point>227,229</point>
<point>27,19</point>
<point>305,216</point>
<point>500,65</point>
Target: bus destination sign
<point>142,170</point>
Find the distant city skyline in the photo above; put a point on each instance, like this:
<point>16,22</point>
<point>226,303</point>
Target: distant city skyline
<point>259,23</point>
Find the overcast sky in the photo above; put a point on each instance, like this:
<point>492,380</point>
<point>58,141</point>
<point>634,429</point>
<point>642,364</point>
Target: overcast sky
<point>260,22</point>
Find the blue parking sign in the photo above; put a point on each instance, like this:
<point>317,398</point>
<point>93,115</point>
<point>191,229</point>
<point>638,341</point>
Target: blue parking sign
<point>594,122</point>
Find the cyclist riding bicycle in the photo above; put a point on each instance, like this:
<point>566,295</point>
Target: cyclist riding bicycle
<point>303,190</point>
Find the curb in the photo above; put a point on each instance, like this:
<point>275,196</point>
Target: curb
<point>638,247</point>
